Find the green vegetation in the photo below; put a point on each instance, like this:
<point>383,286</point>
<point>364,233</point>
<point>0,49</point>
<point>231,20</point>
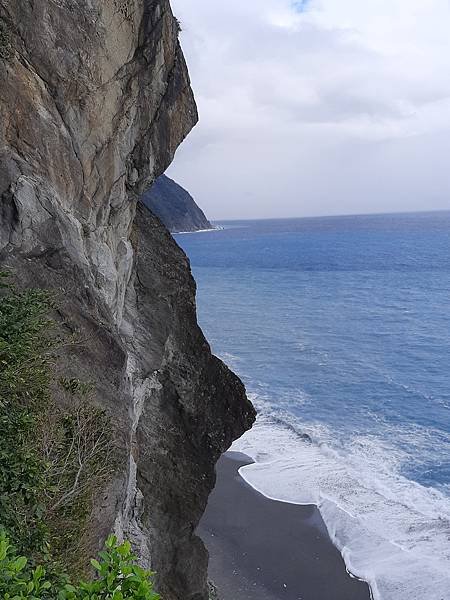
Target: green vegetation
<point>53,457</point>
<point>24,392</point>
<point>77,443</point>
<point>5,41</point>
<point>118,577</point>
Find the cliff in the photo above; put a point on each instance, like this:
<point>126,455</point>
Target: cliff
<point>174,206</point>
<point>94,99</point>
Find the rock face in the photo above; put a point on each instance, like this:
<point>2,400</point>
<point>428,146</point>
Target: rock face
<point>175,206</point>
<point>94,99</point>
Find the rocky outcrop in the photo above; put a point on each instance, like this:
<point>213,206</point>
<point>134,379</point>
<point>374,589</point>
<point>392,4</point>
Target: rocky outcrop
<point>175,206</point>
<point>94,99</point>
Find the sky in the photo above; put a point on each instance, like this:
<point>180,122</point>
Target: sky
<point>316,107</point>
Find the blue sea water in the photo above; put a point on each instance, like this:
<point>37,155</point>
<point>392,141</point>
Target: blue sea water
<point>340,329</point>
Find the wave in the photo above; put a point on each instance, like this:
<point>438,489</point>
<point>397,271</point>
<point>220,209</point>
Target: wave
<point>392,532</point>
<point>218,228</point>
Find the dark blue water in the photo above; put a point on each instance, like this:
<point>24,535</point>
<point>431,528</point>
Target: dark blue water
<point>340,328</point>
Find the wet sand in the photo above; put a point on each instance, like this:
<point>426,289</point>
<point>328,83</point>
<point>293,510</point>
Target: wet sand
<point>262,549</point>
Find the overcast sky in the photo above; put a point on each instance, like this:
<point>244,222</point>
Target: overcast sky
<point>317,107</point>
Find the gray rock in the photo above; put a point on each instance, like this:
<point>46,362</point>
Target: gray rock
<point>174,206</point>
<point>94,99</point>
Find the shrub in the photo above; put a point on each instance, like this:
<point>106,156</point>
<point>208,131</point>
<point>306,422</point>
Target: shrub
<point>24,391</point>
<point>78,442</point>
<point>52,458</point>
<point>118,577</point>
<point>5,41</point>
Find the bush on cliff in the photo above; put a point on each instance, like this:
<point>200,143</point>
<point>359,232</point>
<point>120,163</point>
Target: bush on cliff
<point>5,41</point>
<point>118,577</point>
<point>51,459</point>
<point>53,456</point>
<point>24,392</point>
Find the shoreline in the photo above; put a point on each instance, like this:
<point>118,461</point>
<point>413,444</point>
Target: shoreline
<point>198,231</point>
<point>264,549</point>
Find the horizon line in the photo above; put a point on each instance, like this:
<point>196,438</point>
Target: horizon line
<point>336,216</point>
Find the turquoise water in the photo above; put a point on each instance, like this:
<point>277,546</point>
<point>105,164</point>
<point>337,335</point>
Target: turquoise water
<point>340,328</point>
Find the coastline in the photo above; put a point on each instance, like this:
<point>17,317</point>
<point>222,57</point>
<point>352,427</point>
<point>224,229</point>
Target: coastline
<point>218,228</point>
<point>266,549</point>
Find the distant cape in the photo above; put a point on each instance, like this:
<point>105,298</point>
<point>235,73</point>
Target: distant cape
<point>174,206</point>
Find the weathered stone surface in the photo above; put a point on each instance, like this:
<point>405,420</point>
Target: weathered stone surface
<point>94,99</point>
<point>174,206</point>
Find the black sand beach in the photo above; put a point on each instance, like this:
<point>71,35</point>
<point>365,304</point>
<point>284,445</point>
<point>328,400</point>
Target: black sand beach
<point>261,549</point>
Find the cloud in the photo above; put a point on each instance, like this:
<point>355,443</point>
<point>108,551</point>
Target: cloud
<point>318,107</point>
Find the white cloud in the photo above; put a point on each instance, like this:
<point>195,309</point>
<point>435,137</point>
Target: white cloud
<point>342,106</point>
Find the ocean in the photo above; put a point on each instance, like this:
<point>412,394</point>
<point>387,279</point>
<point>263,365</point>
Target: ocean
<point>340,329</point>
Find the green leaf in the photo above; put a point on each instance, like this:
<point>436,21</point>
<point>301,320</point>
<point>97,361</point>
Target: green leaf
<point>19,563</point>
<point>96,564</point>
<point>124,549</point>
<point>104,556</point>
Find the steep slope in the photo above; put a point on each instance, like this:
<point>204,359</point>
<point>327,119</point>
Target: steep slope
<point>174,206</point>
<point>94,99</point>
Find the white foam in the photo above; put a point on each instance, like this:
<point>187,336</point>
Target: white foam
<point>218,228</point>
<point>392,532</point>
